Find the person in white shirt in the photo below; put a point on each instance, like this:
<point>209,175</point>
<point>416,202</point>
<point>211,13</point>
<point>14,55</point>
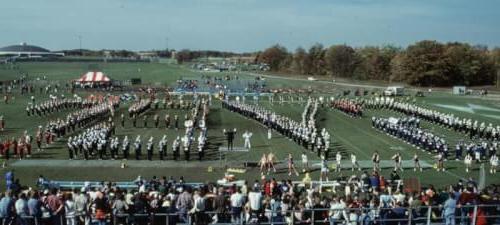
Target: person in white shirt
<point>468,162</point>
<point>247,135</point>
<point>70,210</point>
<point>305,162</point>
<point>494,164</point>
<point>198,209</point>
<point>338,159</point>
<point>354,162</point>
<point>237,201</point>
<point>337,210</point>
<point>255,200</point>
<point>324,169</point>
<point>21,206</point>
<point>269,134</point>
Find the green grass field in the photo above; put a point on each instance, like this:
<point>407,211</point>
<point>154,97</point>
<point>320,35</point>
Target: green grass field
<point>348,134</point>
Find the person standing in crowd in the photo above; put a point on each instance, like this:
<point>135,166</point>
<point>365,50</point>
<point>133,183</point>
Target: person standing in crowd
<point>35,206</point>
<point>219,206</point>
<point>493,164</point>
<point>21,207</point>
<point>69,209</point>
<point>7,207</point>
<point>184,204</point>
<point>55,206</point>
<point>237,201</point>
<point>101,208</point>
<point>449,209</point>
<point>255,201</point>
<point>9,179</point>
<point>82,201</point>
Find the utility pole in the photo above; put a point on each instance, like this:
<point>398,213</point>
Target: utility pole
<point>498,77</point>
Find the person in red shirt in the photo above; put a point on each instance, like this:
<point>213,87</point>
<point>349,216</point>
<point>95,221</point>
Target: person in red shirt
<point>55,205</point>
<point>480,216</point>
<point>267,188</point>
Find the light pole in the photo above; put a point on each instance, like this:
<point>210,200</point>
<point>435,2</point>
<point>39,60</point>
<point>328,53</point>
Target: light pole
<point>80,42</point>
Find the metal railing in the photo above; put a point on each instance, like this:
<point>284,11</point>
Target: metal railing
<point>425,215</point>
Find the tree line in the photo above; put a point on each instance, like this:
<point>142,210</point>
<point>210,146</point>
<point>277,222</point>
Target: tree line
<point>425,63</point>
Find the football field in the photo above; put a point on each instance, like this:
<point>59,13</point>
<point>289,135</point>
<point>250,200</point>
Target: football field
<point>349,135</point>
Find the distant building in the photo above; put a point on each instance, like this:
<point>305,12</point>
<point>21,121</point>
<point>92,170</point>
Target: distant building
<point>27,51</point>
<point>147,54</point>
<point>242,59</point>
<point>173,54</point>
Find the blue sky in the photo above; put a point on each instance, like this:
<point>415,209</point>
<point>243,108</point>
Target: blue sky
<point>245,25</point>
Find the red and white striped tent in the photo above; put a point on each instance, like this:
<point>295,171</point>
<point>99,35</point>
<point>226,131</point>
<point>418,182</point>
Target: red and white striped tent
<point>94,77</point>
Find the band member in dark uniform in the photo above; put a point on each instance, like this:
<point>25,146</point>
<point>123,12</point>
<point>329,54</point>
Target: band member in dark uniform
<point>134,120</point>
<point>149,148</point>
<point>125,147</point>
<point>137,146</point>
<point>156,118</point>
<point>122,120</point>
<point>176,147</point>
